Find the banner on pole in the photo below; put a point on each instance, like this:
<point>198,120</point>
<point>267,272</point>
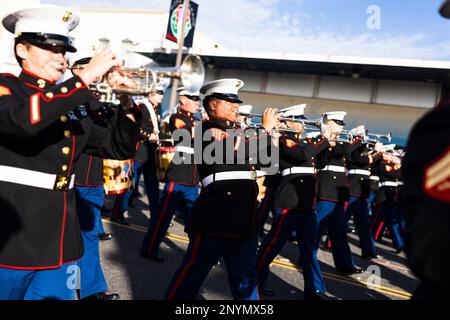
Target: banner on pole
<point>175,22</point>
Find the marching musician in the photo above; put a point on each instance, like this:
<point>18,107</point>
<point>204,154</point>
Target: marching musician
<point>223,220</point>
<point>294,204</point>
<point>144,163</point>
<point>427,199</point>
<point>387,199</point>
<point>90,197</point>
<point>358,174</point>
<point>45,124</point>
<point>333,193</point>
<point>181,188</point>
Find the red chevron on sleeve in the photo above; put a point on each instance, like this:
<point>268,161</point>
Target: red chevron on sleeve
<point>218,134</point>
<point>437,178</point>
<point>179,123</point>
<point>290,143</point>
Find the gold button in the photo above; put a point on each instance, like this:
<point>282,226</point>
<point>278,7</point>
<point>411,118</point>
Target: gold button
<point>301,180</point>
<point>64,90</point>
<point>41,83</point>
<point>78,84</point>
<point>334,178</point>
<point>64,168</point>
<point>66,150</point>
<point>67,134</point>
<point>49,95</point>
<point>229,193</point>
<point>63,118</point>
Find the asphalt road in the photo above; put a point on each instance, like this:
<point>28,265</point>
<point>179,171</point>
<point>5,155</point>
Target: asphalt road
<point>134,277</point>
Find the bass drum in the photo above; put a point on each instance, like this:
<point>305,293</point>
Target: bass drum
<point>117,176</point>
<point>164,156</point>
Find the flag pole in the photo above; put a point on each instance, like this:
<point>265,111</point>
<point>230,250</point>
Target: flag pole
<point>173,93</point>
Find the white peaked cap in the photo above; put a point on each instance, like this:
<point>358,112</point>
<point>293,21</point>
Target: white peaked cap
<point>182,91</point>
<point>46,19</point>
<point>390,146</point>
<point>294,111</point>
<point>226,89</point>
<point>245,108</point>
<point>335,115</point>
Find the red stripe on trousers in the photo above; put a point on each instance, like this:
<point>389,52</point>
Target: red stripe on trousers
<point>273,241</point>
<point>186,268</point>
<point>380,227</point>
<point>161,216</point>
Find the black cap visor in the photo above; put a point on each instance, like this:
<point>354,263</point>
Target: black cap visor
<point>234,98</point>
<point>47,41</point>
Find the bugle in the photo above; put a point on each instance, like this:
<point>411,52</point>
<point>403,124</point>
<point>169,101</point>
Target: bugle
<point>146,79</point>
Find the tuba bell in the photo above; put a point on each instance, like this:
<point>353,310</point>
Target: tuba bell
<point>146,79</point>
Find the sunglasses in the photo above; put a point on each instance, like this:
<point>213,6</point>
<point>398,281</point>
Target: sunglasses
<point>160,92</point>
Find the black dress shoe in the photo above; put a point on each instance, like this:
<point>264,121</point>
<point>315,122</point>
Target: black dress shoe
<point>151,257</point>
<point>103,296</point>
<point>351,270</point>
<point>104,236</point>
<point>121,220</point>
<point>267,292</point>
<point>317,296</point>
<point>371,256</point>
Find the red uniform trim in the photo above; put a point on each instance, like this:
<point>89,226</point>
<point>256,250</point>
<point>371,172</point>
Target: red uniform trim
<point>61,242</point>
<point>184,271</point>
<point>89,169</point>
<point>37,268</point>
<point>88,185</point>
<point>73,150</point>
<point>36,76</point>
<point>35,109</point>
<point>380,227</point>
<point>34,87</point>
<point>272,242</point>
<point>161,217</point>
<point>9,75</point>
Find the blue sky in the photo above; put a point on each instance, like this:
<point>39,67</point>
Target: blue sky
<point>410,29</point>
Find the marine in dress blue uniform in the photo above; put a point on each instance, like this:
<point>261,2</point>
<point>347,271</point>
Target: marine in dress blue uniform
<point>295,207</point>
<point>333,193</point>
<point>40,143</point>
<point>90,197</point>
<point>426,173</point>
<point>386,215</point>
<point>223,222</point>
<point>358,175</point>
<point>144,163</point>
<point>181,188</point>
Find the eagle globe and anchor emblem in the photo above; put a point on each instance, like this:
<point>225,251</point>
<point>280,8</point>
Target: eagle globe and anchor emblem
<point>175,21</point>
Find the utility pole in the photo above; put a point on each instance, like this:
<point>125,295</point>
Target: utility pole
<point>173,93</point>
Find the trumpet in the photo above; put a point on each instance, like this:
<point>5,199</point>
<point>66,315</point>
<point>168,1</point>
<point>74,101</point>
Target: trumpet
<point>146,79</point>
<point>373,138</point>
<point>306,122</point>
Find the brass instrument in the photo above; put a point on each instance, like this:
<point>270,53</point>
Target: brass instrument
<point>373,138</point>
<point>317,123</point>
<point>146,79</point>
